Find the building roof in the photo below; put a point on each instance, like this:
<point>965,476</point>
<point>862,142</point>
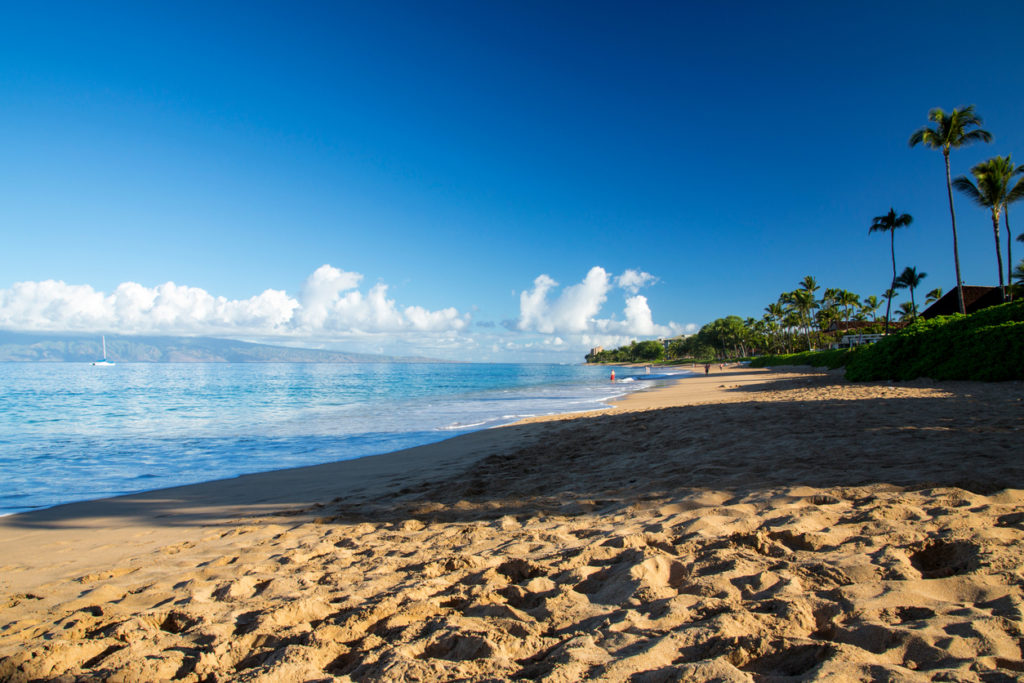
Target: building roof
<point>844,326</point>
<point>975,299</point>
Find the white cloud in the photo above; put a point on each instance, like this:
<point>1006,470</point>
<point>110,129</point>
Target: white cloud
<point>572,311</point>
<point>329,303</point>
<point>638,316</point>
<point>533,305</point>
<point>575,310</point>
<point>634,280</point>
<point>335,308</point>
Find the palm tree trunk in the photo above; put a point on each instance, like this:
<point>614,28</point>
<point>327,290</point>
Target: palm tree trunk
<point>888,305</point>
<point>999,251</point>
<point>1009,254</point>
<point>913,304</point>
<point>956,250</point>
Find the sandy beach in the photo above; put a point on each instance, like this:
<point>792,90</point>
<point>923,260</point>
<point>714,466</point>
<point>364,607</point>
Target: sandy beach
<point>750,525</point>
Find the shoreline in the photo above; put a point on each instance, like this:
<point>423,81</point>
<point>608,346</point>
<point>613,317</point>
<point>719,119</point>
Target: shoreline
<point>444,434</point>
<point>389,430</point>
<point>550,547</point>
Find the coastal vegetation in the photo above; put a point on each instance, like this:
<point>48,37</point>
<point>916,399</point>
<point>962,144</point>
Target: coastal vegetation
<point>797,321</point>
<point>636,352</point>
<point>987,345</point>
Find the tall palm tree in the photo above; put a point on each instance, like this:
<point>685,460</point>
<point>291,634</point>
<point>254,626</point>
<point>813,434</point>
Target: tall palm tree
<point>991,191</point>
<point>911,279</point>
<point>933,296</point>
<point>889,223</point>
<point>952,130</point>
<point>1016,194</point>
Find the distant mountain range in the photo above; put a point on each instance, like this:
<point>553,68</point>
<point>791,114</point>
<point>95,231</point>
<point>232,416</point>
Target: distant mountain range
<point>74,348</point>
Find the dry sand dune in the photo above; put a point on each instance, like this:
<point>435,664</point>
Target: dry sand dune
<point>744,526</point>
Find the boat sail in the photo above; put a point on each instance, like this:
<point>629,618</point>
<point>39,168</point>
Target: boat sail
<point>103,360</point>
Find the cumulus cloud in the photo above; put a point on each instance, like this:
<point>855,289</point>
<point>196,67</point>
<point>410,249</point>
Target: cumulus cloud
<point>572,311</point>
<point>576,308</point>
<point>634,280</point>
<point>329,302</point>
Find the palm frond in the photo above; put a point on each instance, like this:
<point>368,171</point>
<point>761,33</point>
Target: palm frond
<point>964,185</point>
<point>890,221</point>
<point>1017,192</point>
<point>926,136</point>
<point>974,136</point>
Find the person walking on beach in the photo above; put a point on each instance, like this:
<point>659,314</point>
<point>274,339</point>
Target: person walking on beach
<point>707,368</point>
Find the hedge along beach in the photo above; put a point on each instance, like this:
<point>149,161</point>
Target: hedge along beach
<point>752,523</point>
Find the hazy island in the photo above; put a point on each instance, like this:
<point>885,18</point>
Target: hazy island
<point>77,348</point>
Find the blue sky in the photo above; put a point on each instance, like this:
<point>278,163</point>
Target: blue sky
<point>453,153</point>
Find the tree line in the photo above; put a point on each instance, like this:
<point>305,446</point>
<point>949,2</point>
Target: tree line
<point>799,320</point>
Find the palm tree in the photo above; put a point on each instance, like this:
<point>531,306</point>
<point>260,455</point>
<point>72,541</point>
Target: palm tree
<point>828,308</point>
<point>774,314</point>
<point>1016,194</point>
<point>911,279</point>
<point>1018,276</point>
<point>871,306</point>
<point>991,191</point>
<point>802,302</point>
<point>952,130</point>
<point>933,296</point>
<point>809,286</point>
<point>908,310</point>
<point>848,300</point>
<point>890,294</point>
<point>792,323</point>
<point>889,223</point>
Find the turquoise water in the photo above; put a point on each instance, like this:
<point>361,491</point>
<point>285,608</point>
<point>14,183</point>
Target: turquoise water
<point>71,431</point>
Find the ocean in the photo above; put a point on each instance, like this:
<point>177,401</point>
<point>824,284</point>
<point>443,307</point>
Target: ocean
<point>72,432</point>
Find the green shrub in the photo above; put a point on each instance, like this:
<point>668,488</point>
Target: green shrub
<point>835,358</point>
<point>988,346</point>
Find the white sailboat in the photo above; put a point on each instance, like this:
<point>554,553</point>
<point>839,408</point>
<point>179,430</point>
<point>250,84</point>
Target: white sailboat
<point>103,360</point>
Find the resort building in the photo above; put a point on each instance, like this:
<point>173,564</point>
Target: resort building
<point>975,299</point>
